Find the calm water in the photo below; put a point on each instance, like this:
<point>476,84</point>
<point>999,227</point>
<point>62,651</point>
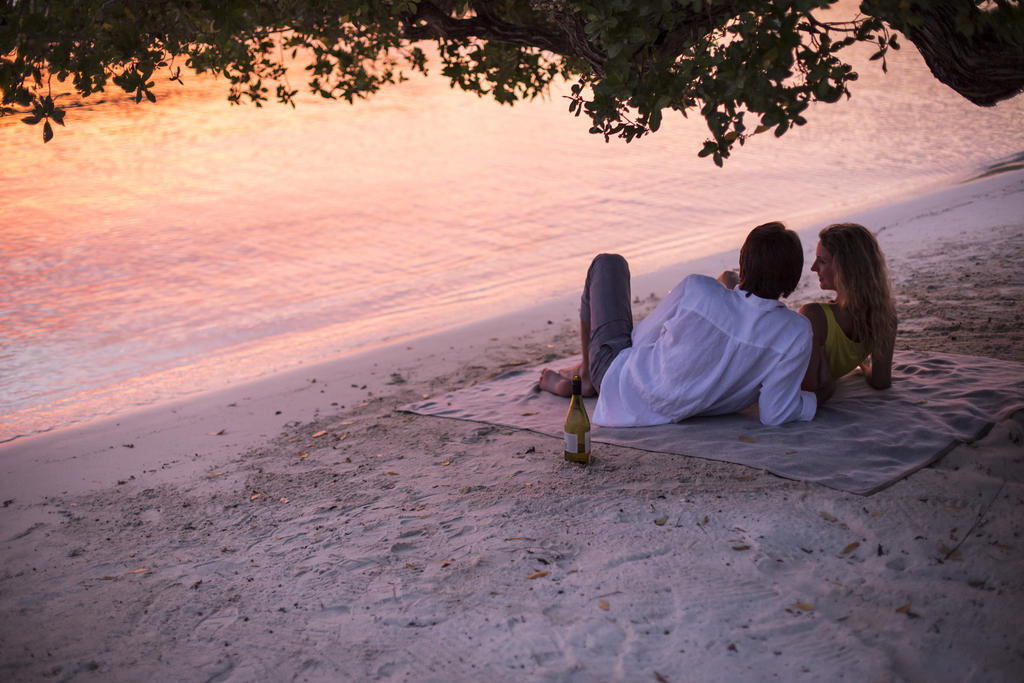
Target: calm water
<point>151,252</point>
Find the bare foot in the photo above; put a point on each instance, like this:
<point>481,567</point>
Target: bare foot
<point>586,386</point>
<point>555,383</point>
<point>560,382</point>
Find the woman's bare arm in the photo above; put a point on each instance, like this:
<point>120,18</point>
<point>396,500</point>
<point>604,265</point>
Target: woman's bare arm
<point>818,379</point>
<point>878,367</point>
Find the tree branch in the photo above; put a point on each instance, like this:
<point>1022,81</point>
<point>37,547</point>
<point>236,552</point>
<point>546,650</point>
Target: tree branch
<point>983,68</point>
<point>431,22</point>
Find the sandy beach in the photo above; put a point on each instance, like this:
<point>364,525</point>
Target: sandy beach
<point>302,528</point>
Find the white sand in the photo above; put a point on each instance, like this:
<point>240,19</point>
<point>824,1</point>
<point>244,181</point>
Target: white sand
<point>292,529</point>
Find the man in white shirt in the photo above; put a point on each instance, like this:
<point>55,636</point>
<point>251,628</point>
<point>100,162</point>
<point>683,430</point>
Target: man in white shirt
<point>712,347</point>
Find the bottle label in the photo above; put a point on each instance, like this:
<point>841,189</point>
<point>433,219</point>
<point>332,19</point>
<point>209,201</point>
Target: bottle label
<point>572,443</point>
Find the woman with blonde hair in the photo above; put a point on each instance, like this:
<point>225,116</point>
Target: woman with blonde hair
<point>858,327</point>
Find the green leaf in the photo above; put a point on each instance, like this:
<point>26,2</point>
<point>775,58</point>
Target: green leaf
<point>655,121</point>
<point>710,147</point>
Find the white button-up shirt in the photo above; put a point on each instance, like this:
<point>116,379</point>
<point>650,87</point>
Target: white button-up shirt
<point>708,350</point>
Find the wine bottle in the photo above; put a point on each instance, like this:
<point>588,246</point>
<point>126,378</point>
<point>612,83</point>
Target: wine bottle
<point>577,426</point>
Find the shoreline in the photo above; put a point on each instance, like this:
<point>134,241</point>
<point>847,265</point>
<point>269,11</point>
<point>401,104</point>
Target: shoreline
<point>352,541</point>
<point>242,416</point>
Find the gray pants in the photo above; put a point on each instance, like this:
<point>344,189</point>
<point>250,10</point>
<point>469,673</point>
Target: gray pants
<point>605,305</point>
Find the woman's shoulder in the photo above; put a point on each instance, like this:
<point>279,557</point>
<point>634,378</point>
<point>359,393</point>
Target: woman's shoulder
<point>815,312</point>
<point>815,309</point>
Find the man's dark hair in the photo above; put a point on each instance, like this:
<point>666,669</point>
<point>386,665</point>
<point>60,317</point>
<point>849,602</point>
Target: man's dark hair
<point>771,261</point>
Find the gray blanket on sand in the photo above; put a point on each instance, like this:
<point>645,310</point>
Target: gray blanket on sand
<point>861,441</point>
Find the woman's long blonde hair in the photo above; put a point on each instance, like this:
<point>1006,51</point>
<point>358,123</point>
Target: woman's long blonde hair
<point>862,281</point>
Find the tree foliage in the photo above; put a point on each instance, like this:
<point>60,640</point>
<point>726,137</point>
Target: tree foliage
<point>746,66</point>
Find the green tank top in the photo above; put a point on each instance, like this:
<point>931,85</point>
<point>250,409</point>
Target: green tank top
<point>842,354</point>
